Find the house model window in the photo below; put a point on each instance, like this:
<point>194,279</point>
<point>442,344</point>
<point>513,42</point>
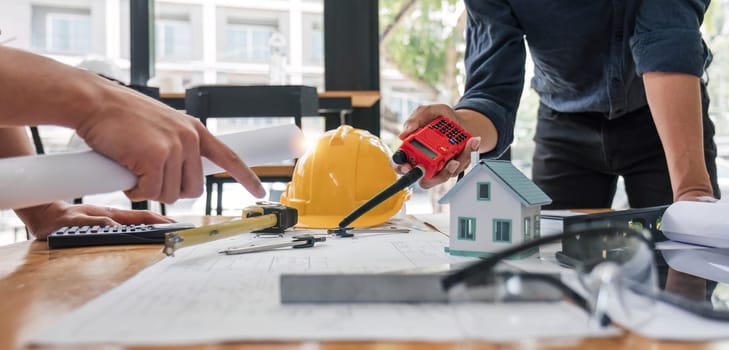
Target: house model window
<point>503,211</point>
<point>467,228</point>
<point>502,230</point>
<point>484,191</point>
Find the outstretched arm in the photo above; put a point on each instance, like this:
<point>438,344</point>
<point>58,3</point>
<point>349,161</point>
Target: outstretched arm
<point>158,144</point>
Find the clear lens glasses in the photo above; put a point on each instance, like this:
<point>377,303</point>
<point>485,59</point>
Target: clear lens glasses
<point>616,276</point>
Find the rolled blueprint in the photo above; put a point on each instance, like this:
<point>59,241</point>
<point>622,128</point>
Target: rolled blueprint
<point>33,180</point>
<point>701,223</point>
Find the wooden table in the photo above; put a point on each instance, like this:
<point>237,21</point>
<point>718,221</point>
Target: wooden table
<point>39,286</point>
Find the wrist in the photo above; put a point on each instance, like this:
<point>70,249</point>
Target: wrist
<point>478,125</point>
<point>87,94</point>
<point>697,195</point>
<point>31,215</point>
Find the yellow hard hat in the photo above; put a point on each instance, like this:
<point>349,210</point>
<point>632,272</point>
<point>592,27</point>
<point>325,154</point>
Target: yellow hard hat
<point>347,167</point>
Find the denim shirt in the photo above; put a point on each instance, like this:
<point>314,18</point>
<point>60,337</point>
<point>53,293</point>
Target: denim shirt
<point>589,55</point>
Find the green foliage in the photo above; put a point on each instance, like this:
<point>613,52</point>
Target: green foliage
<point>718,71</point>
<point>418,45</point>
<point>713,19</point>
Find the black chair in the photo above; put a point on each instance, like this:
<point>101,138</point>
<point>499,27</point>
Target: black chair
<point>259,101</point>
<point>336,111</point>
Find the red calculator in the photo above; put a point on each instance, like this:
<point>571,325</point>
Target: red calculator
<point>432,146</point>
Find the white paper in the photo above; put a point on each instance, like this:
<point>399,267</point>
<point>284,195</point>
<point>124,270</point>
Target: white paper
<point>438,221</point>
<point>697,223</point>
<point>668,322</point>
<point>202,296</point>
<point>708,263</point>
<point>33,180</point>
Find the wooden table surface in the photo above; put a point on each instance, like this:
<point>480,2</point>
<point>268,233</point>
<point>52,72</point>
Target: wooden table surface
<point>39,286</point>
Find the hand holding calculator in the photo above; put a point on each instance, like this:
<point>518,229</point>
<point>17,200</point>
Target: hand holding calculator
<point>81,236</point>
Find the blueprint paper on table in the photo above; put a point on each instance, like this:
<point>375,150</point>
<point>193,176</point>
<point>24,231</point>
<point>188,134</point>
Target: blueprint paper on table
<point>709,263</point>
<point>203,296</point>
<point>33,180</point>
<point>671,323</point>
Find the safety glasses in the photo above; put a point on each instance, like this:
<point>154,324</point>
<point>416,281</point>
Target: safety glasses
<point>615,277</point>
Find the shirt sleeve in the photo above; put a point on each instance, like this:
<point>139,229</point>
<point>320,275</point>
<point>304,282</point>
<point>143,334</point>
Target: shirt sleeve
<point>667,37</point>
<point>494,60</point>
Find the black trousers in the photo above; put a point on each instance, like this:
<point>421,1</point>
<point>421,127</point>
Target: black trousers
<point>579,156</point>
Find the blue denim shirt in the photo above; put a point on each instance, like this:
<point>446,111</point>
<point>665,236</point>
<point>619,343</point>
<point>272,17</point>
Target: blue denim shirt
<point>589,55</point>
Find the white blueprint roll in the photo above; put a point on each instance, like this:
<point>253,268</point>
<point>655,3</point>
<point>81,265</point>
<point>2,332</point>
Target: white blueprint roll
<point>702,223</point>
<point>33,180</point>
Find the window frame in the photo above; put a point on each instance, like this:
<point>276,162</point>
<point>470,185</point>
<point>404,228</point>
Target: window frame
<point>471,222</point>
<point>160,41</point>
<point>495,232</point>
<point>248,54</point>
<point>69,17</point>
<point>478,191</point>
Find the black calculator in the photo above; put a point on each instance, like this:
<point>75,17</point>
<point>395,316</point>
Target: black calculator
<point>83,236</point>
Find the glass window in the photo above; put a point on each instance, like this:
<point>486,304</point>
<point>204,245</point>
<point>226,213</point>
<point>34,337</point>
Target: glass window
<point>536,226</point>
<point>502,230</point>
<point>484,191</point>
<point>467,228</point>
<point>527,229</point>
<point>174,39</point>
<point>68,33</point>
<point>313,40</point>
<point>247,43</point>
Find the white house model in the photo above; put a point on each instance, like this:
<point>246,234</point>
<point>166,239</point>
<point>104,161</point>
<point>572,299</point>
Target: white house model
<point>493,207</point>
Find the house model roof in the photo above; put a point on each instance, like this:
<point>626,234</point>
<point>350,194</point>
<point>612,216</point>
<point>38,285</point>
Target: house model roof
<point>521,186</point>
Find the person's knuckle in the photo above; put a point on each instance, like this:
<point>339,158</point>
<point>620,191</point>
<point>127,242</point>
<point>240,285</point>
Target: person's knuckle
<point>190,136</point>
<point>156,153</point>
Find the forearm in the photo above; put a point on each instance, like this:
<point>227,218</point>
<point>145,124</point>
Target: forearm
<point>15,142</point>
<point>68,93</point>
<point>675,102</point>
